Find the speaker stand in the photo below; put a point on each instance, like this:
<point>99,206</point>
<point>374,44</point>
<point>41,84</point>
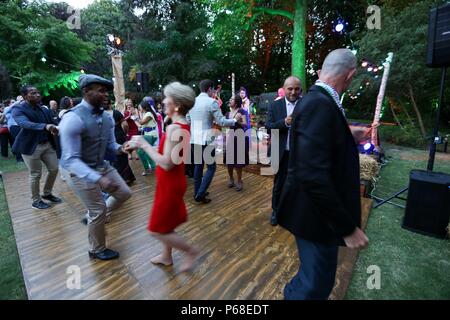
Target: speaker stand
<point>432,154</point>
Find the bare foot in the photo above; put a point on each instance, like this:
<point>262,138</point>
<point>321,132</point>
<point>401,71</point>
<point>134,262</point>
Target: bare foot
<point>161,259</point>
<point>189,260</point>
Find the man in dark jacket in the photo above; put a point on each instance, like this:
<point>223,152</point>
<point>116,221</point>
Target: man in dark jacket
<point>36,143</point>
<point>278,123</point>
<point>320,203</point>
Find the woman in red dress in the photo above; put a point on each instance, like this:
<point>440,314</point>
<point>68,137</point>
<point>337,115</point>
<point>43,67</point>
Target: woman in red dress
<point>169,210</point>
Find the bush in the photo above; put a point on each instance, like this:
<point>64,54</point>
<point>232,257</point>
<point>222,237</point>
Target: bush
<point>408,136</point>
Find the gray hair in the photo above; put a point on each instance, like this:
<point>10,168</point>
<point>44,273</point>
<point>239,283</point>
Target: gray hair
<point>338,62</point>
<point>181,94</point>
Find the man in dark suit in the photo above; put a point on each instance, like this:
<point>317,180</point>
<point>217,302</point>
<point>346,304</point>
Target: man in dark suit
<point>278,123</point>
<point>320,203</point>
<point>36,143</point>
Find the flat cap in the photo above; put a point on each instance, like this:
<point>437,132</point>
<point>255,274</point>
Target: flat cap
<point>87,79</point>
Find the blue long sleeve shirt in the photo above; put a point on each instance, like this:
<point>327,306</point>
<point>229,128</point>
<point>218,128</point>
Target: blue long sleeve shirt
<point>70,130</point>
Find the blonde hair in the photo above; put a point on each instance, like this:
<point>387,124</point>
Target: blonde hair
<point>123,107</point>
<point>182,95</point>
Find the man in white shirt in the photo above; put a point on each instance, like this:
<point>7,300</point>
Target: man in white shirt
<point>279,118</point>
<point>201,117</point>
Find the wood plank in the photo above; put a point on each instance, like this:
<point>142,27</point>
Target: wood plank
<point>242,256</point>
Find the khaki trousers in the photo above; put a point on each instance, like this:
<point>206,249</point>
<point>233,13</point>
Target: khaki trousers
<point>91,196</point>
<point>46,154</point>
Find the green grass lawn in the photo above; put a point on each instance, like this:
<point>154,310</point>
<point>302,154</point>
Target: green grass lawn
<point>12,286</point>
<point>412,266</point>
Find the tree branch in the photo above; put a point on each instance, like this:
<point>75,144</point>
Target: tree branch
<point>275,12</point>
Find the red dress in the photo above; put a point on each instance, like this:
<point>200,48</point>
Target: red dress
<point>133,128</point>
<point>169,210</point>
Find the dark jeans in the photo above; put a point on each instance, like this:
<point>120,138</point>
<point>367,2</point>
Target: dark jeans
<point>201,183</point>
<point>14,130</point>
<point>316,276</point>
<point>4,140</point>
<point>278,182</point>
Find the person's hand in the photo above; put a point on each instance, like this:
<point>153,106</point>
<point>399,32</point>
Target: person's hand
<point>107,185</point>
<point>122,149</point>
<point>357,240</point>
<point>52,129</point>
<point>288,120</point>
<point>136,142</point>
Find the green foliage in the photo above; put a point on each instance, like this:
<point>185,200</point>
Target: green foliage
<point>97,21</point>
<point>404,30</point>
<point>28,33</point>
<point>175,48</point>
<point>408,136</point>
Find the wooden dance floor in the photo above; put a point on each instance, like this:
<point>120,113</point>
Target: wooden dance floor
<point>242,256</point>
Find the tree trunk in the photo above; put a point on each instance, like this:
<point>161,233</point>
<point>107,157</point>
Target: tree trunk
<point>299,41</point>
<point>407,115</point>
<point>393,112</point>
<point>416,109</point>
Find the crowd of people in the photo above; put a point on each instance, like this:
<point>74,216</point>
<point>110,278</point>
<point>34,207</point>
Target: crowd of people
<point>316,186</point>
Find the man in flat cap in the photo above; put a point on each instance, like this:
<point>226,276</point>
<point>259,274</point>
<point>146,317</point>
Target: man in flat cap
<point>86,134</point>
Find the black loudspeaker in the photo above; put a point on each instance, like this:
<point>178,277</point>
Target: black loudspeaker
<point>438,50</point>
<point>428,206</point>
<point>143,81</point>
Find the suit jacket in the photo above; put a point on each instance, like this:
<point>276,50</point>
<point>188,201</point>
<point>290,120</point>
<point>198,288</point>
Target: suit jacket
<point>321,198</point>
<point>27,140</point>
<point>276,120</point>
<point>201,117</point>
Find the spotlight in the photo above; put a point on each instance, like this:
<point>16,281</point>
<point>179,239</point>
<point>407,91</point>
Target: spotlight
<point>375,69</point>
<point>82,71</point>
<point>368,147</point>
<point>339,26</point>
<point>110,38</point>
<point>118,41</point>
<point>43,59</point>
<point>370,69</point>
<point>364,64</point>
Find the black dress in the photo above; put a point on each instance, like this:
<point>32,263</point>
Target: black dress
<point>121,163</point>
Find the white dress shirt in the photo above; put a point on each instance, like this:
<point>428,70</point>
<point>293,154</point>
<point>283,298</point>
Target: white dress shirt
<point>289,110</point>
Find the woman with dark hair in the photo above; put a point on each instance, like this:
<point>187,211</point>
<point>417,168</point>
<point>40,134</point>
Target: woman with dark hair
<point>149,127</point>
<point>236,155</point>
<point>65,104</point>
<point>120,161</point>
<point>246,105</point>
